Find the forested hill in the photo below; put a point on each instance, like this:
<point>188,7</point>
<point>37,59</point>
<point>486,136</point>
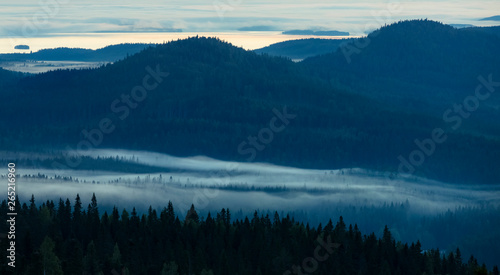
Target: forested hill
<point>492,30</point>
<point>106,54</point>
<point>217,98</point>
<point>421,65</point>
<point>8,79</point>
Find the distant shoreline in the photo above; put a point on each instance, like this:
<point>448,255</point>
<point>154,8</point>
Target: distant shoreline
<point>249,40</point>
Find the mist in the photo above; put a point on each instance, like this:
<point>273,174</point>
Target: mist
<point>413,208</point>
<point>212,184</point>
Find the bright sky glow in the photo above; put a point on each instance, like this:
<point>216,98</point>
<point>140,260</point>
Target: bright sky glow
<point>45,18</point>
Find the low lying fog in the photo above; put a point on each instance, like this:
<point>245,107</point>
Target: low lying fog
<point>211,184</point>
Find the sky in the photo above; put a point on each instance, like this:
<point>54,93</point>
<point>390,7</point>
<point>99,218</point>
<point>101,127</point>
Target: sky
<point>48,18</point>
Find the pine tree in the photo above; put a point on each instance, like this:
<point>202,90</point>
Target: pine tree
<point>170,213</point>
<point>495,270</point>
<point>51,263</point>
<point>191,216</point>
<point>33,208</point>
<point>170,269</point>
<point>73,257</point>
<point>116,258</point>
<point>77,208</point>
<point>91,260</point>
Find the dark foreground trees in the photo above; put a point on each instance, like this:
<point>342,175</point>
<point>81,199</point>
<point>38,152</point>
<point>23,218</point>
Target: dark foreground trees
<point>66,239</point>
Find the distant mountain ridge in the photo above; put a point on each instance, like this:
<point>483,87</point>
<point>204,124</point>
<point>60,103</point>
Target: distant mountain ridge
<point>492,18</point>
<point>106,54</point>
<point>303,48</point>
<point>218,100</point>
<point>317,33</point>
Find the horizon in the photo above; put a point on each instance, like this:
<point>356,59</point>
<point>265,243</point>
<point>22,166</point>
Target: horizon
<point>42,25</point>
<point>248,40</point>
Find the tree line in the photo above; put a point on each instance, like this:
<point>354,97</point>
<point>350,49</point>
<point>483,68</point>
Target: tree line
<point>66,238</point>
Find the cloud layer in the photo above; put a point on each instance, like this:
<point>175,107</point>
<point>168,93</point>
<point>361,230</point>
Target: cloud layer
<point>212,184</point>
<point>39,18</point>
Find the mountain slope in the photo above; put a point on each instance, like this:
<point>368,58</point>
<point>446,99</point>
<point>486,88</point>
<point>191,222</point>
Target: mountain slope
<point>422,65</point>
<point>228,103</point>
<point>8,79</point>
<point>303,48</point>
